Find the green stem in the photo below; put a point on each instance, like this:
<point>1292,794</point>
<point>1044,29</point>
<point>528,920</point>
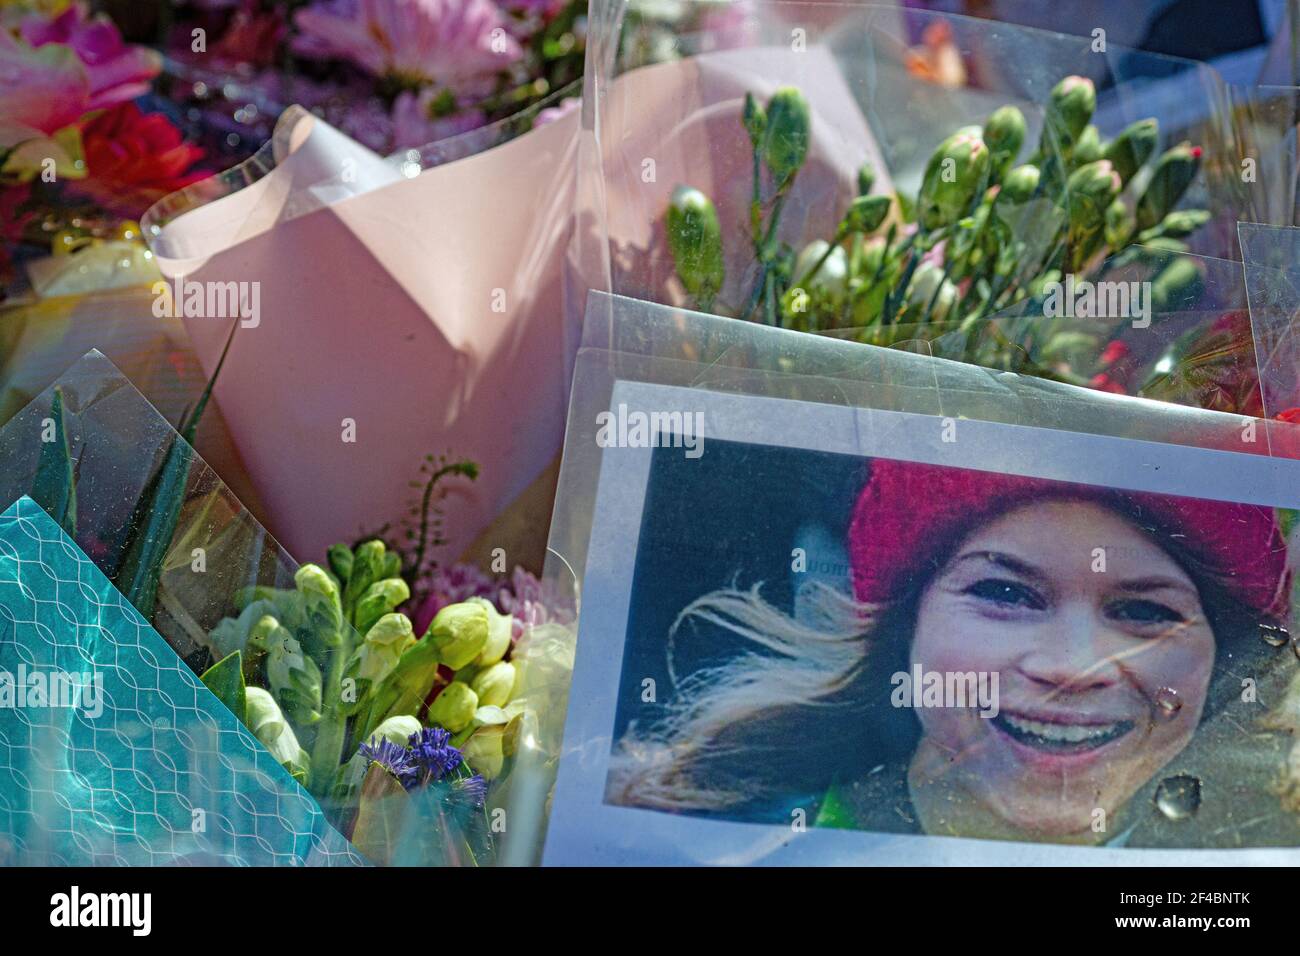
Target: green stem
<point>756,294</point>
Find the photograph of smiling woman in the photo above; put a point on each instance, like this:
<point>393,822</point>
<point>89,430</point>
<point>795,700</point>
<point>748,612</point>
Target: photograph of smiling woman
<point>1139,642</point>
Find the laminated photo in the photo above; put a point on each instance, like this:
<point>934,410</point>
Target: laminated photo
<point>844,635</point>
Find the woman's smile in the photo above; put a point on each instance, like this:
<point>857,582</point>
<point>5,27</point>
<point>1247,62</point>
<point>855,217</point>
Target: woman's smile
<point>1085,651</point>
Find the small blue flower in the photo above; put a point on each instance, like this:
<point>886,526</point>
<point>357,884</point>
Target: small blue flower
<point>394,758</point>
<point>472,789</point>
<point>432,754</point>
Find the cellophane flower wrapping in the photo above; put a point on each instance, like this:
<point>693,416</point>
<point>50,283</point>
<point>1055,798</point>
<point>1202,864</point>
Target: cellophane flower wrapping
<point>1269,260</point>
<point>296,654</point>
<point>448,340</point>
<point>697,207</point>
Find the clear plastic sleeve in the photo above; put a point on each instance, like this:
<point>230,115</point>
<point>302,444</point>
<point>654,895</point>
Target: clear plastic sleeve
<point>711,596</point>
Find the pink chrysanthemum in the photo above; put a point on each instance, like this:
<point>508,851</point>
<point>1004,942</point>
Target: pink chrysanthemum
<point>117,71</point>
<point>412,41</point>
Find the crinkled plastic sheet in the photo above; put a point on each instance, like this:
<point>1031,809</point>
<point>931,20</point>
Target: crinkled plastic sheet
<point>602,527</point>
<point>1272,264</point>
<point>118,444</point>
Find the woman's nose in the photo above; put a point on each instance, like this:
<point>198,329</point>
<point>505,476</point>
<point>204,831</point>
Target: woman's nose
<point>1076,651</point>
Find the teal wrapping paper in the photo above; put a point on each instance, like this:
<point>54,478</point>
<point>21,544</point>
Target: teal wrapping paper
<point>112,752</point>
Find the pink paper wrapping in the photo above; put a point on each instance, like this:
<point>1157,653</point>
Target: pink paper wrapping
<point>377,291</point>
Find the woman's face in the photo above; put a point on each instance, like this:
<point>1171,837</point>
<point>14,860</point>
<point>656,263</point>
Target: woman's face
<point>1102,668</point>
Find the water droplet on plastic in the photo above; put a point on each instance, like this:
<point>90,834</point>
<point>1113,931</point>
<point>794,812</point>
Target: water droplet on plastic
<point>1274,636</point>
<point>1178,798</point>
<point>1168,703</point>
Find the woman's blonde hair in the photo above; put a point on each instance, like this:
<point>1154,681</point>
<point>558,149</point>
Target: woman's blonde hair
<point>789,664</point>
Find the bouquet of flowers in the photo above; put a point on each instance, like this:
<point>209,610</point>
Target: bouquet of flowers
<point>1023,236</point>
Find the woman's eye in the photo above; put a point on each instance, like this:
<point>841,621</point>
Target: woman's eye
<point>1145,612</point>
<point>1005,593</point>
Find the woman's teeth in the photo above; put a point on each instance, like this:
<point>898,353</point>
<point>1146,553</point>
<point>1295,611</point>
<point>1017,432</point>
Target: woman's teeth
<point>1037,733</point>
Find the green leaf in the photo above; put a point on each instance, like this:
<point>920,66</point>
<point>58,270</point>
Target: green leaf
<point>55,486</point>
<point>158,511</point>
<point>225,679</point>
<point>153,525</point>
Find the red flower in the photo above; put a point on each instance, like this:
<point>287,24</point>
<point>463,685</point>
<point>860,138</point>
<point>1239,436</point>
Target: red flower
<point>1291,416</point>
<point>1115,351</point>
<point>1104,383</point>
<point>134,159</point>
<point>253,38</point>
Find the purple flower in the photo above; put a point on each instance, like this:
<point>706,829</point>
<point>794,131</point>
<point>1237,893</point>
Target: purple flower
<point>553,113</point>
<point>414,122</point>
<point>444,42</point>
<point>394,758</point>
<point>542,9</point>
<point>472,789</point>
<point>433,755</point>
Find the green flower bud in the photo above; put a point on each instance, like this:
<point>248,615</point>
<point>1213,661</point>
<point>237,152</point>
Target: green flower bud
<point>786,135</point>
<point>495,684</point>
<point>385,643</point>
<point>1088,149</point>
<point>263,717</point>
<point>866,178</point>
<point>367,568</point>
<point>1181,223</point>
<point>398,730</point>
<point>865,214</point>
<point>695,240</point>
<point>459,632</point>
<point>1069,110</point>
<point>1037,287</point>
<point>754,118</point>
<point>1019,184</point>
<point>392,565</point>
<point>380,599</point>
<point>1133,147</point>
<point>1119,224</point>
<point>500,632</point>
<point>491,742</point>
<point>1174,172</point>
<point>956,174</point>
<point>1004,134</point>
<point>1177,286</point>
<point>321,606</point>
<point>1092,188</point>
<point>340,558</point>
<point>1090,191</point>
<point>484,751</point>
<point>294,678</point>
<point>454,707</point>
<point>873,255</point>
